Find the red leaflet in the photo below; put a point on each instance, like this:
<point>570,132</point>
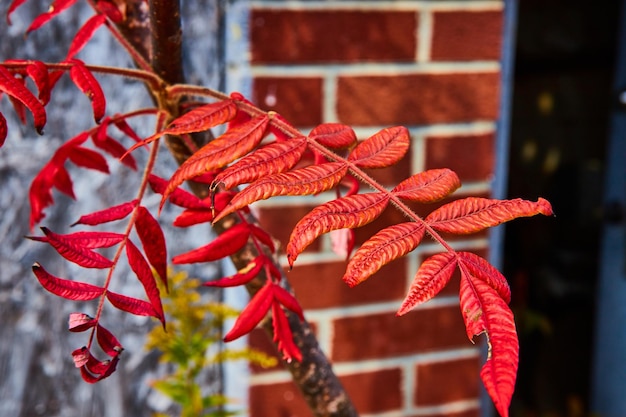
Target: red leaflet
<point>72,290</point>
<point>479,267</point>
<point>202,118</point>
<point>153,242</point>
<point>110,9</point>
<point>87,83</point>
<point>263,236</point>
<point>84,34</point>
<point>333,135</point>
<point>125,128</point>
<point>103,141</point>
<point>89,240</point>
<point>385,246</point>
<point>38,71</point>
<point>225,244</point>
<point>253,313</point>
<point>283,336</point>
<point>347,212</point>
<point>132,305</point>
<point>473,214</point>
<point>12,7</point>
<point>107,215</point>
<point>140,267</point>
<point>55,8</point>
<point>485,312</point>
<point>86,158</point>
<point>91,369</point>
<point>3,129</point>
<point>242,277</point>
<point>383,149</point>
<point>271,159</point>
<point>432,276</point>
<point>285,298</point>
<point>179,196</point>
<point>305,181</point>
<point>232,145</point>
<point>109,343</point>
<point>428,186</point>
<point>62,181</point>
<point>75,250</point>
<point>79,322</point>
<point>16,90</point>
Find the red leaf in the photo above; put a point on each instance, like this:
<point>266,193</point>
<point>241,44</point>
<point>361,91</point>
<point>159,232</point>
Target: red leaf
<point>12,7</point>
<point>125,128</point>
<point>84,34</point>
<point>38,71</point>
<point>16,90</point>
<point>285,298</point>
<point>63,182</point>
<point>86,158</point>
<point>333,135</point>
<point>305,181</point>
<point>253,313</point>
<point>202,118</point>
<point>382,149</point>
<point>230,146</point>
<point>109,343</point>
<point>179,196</point>
<point>111,10</point>
<point>191,217</point>
<point>40,193</point>
<point>473,214</point>
<point>79,322</point>
<point>132,305</point>
<point>225,244</point>
<point>153,242</point>
<point>428,186</point>
<point>3,129</point>
<point>103,141</point>
<point>55,8</point>
<point>88,240</point>
<point>385,246</point>
<point>87,83</point>
<point>71,290</point>
<point>347,212</point>
<point>432,276</point>
<point>480,268</point>
<point>140,267</point>
<point>283,336</point>
<point>263,236</point>
<point>243,276</point>
<point>485,312</point>
<point>108,215</point>
<point>75,250</point>
<point>271,159</point>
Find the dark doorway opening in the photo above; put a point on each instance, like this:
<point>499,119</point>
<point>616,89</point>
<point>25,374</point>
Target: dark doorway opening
<point>564,66</point>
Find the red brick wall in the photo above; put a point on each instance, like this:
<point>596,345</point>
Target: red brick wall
<point>433,67</point>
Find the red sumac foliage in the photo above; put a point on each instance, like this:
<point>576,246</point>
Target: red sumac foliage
<point>265,152</point>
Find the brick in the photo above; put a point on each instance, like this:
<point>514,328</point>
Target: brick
<point>472,157</point>
<point>442,382</point>
<point>316,36</point>
<point>280,221</point>
<point>279,399</point>
<point>386,335</point>
<point>320,285</point>
<point>466,35</point>
<point>299,100</point>
<point>374,392</point>
<point>417,99</point>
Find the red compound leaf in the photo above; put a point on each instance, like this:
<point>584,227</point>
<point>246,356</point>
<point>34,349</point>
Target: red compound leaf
<point>383,149</point>
<point>132,305</point>
<point>79,322</point>
<point>428,186</point>
<point>232,145</point>
<point>271,159</point>
<point>385,246</point>
<point>87,83</point>
<point>142,270</point>
<point>84,34</point>
<point>225,244</point>
<point>347,212</point>
<point>432,276</point>
<point>474,214</point>
<point>333,135</point>
<point>153,242</point>
<point>71,290</point>
<point>16,90</point>
<point>108,215</point>
<point>305,181</point>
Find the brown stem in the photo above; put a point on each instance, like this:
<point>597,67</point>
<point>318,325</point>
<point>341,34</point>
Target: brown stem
<point>314,375</point>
